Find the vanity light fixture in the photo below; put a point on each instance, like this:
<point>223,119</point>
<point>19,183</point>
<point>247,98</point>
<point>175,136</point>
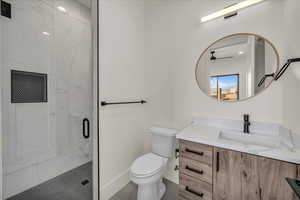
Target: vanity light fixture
<point>231,9</point>
<point>62,9</point>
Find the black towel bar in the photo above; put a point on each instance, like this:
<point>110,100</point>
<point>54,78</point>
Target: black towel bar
<point>104,103</point>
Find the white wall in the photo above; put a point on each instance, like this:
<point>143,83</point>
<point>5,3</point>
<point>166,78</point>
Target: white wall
<point>41,137</point>
<point>187,38</point>
<point>122,78</point>
<point>290,80</point>
<point>129,70</point>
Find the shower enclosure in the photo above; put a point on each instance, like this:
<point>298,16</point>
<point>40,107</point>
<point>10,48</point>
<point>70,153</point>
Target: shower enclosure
<point>47,99</point>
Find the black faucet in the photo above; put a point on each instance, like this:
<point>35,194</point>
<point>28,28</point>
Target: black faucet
<point>246,123</point>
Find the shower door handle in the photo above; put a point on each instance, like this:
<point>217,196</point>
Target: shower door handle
<point>86,128</point>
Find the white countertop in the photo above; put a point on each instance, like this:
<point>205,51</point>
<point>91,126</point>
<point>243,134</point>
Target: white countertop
<point>209,135</point>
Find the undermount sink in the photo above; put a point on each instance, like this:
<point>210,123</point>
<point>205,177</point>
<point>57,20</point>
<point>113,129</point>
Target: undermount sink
<point>270,141</point>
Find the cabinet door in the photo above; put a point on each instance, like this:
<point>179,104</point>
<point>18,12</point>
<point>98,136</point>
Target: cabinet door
<point>272,174</point>
<point>250,177</point>
<point>227,175</point>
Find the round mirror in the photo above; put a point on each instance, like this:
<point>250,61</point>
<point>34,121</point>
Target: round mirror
<point>237,67</point>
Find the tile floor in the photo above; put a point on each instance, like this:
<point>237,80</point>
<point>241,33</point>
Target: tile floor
<point>67,186</point>
<point>129,192</point>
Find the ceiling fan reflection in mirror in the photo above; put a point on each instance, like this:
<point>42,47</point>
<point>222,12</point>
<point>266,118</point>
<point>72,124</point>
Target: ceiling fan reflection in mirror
<point>213,57</point>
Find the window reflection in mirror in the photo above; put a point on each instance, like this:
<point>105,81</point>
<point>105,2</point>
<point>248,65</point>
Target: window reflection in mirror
<point>225,87</point>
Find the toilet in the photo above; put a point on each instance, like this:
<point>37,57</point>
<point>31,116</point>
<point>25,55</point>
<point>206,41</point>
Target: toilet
<point>147,171</point>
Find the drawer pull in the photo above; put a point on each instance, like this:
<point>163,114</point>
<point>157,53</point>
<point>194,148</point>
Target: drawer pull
<point>194,170</point>
<point>194,152</point>
<point>193,192</point>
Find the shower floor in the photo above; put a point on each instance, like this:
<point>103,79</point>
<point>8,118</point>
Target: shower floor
<point>68,186</point>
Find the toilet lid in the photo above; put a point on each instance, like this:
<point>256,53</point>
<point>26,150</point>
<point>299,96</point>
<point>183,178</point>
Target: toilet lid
<point>147,165</point>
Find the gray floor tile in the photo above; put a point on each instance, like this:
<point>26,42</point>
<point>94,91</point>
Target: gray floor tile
<point>129,192</point>
<point>64,187</point>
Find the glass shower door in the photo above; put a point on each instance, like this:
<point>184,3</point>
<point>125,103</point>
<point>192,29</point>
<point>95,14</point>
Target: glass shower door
<point>45,143</point>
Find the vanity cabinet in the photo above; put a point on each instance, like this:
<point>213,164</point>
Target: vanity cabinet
<point>196,171</point>
<point>212,173</point>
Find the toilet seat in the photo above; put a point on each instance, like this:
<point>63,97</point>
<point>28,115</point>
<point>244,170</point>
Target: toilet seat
<point>147,165</point>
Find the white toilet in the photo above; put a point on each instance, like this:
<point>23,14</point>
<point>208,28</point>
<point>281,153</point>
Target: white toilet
<point>147,171</point>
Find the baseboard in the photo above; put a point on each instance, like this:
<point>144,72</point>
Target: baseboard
<point>115,185</point>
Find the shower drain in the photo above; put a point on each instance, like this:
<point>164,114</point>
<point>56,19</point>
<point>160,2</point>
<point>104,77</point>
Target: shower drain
<point>84,182</point>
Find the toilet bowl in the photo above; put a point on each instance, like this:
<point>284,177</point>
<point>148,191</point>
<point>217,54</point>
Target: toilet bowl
<point>147,171</point>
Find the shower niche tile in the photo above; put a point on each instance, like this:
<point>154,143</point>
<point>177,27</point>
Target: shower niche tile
<point>28,87</point>
<point>5,9</point>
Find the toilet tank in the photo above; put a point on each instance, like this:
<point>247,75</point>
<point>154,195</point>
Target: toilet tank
<point>163,141</point>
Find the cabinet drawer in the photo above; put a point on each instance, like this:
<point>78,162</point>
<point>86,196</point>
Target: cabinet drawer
<point>199,152</point>
<point>193,189</point>
<point>196,169</point>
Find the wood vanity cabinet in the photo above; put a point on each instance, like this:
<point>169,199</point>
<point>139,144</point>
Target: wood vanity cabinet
<point>212,173</point>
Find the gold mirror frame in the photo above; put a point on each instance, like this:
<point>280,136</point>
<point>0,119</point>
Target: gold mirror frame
<point>232,35</point>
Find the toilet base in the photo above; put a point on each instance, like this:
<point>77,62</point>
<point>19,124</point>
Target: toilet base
<point>162,189</point>
<point>152,191</point>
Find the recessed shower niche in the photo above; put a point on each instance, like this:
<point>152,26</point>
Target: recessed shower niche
<point>28,87</point>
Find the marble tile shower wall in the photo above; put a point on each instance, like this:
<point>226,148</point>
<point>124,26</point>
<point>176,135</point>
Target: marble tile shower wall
<point>43,140</point>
